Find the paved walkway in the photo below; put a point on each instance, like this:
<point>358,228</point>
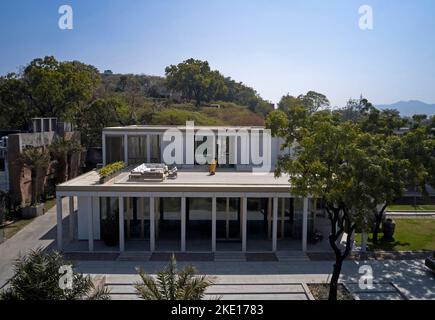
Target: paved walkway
<point>41,232</point>
<point>406,279</point>
<point>282,279</point>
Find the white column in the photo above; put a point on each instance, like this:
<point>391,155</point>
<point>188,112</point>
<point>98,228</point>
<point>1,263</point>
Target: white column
<point>141,210</point>
<point>269,217</point>
<point>59,222</point>
<point>121,224</point>
<point>282,217</point>
<point>91,225</point>
<point>128,202</point>
<point>274,223</point>
<point>244,222</point>
<point>213,224</point>
<point>152,225</point>
<point>104,149</point>
<point>148,148</point>
<point>126,149</point>
<point>183,224</point>
<point>71,218</point>
<point>305,225</point>
<point>227,221</point>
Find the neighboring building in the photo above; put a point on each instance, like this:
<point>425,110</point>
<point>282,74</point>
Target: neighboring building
<point>43,131</point>
<point>234,210</point>
<point>4,171</point>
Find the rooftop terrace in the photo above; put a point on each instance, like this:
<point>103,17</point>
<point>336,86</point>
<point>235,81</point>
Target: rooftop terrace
<point>197,181</point>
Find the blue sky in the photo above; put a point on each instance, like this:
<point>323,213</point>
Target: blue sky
<point>274,46</point>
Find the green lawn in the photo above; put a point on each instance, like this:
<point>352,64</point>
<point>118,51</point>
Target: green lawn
<point>410,234</point>
<point>14,227</point>
<point>409,207</point>
<point>19,224</point>
<point>48,204</point>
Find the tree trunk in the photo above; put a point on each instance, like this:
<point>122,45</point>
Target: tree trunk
<point>34,177</point>
<point>333,285</point>
<point>378,220</point>
<point>343,223</point>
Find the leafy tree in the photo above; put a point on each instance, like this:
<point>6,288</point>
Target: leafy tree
<point>49,88</point>
<point>333,161</point>
<point>241,94</point>
<point>100,114</point>
<point>37,160</point>
<point>171,284</point>
<point>195,80</point>
<point>312,101</point>
<point>37,277</point>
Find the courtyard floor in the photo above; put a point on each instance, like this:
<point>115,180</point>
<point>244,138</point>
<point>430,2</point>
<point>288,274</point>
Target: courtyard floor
<point>282,278</point>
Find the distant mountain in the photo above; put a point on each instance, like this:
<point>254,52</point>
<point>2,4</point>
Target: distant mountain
<point>411,107</point>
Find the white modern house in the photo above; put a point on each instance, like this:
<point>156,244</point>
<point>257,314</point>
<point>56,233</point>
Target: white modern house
<point>241,208</point>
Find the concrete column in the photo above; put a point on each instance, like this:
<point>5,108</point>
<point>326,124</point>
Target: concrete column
<point>59,222</point>
<point>141,211</point>
<point>121,225</point>
<point>269,216</point>
<point>126,149</point>
<point>244,222</point>
<point>128,203</point>
<point>71,218</point>
<point>183,224</point>
<point>91,225</point>
<point>282,217</point>
<point>148,142</point>
<point>275,223</point>
<point>227,219</point>
<point>104,149</point>
<point>152,225</point>
<point>305,225</point>
<point>213,224</point>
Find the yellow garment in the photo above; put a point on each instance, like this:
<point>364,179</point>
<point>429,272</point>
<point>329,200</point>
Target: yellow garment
<point>213,167</point>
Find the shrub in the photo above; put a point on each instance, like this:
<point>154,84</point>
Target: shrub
<point>38,277</point>
<point>171,284</point>
<point>111,169</point>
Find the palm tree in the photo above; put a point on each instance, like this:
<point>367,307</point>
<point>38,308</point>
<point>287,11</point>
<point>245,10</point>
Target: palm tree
<point>38,276</point>
<point>171,284</point>
<point>62,150</point>
<point>37,160</point>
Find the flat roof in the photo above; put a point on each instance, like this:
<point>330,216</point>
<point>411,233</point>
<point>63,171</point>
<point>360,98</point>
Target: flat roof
<point>187,181</point>
<point>179,127</point>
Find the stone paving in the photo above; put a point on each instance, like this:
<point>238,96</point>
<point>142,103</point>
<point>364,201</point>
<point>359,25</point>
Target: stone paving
<point>404,277</point>
<point>40,233</point>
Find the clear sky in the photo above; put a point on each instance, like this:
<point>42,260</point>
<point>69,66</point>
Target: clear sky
<point>274,46</point>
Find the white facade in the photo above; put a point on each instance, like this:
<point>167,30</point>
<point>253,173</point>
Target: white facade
<point>235,210</point>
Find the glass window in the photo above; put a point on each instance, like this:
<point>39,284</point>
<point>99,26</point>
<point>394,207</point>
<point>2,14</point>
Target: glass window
<point>114,149</point>
<point>137,149</point>
<point>155,149</point>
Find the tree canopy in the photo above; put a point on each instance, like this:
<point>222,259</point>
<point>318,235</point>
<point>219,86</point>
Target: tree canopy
<point>195,80</point>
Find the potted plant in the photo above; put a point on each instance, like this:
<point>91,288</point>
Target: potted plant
<point>388,228</point>
<point>37,160</point>
<point>110,229</point>
<point>108,172</point>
